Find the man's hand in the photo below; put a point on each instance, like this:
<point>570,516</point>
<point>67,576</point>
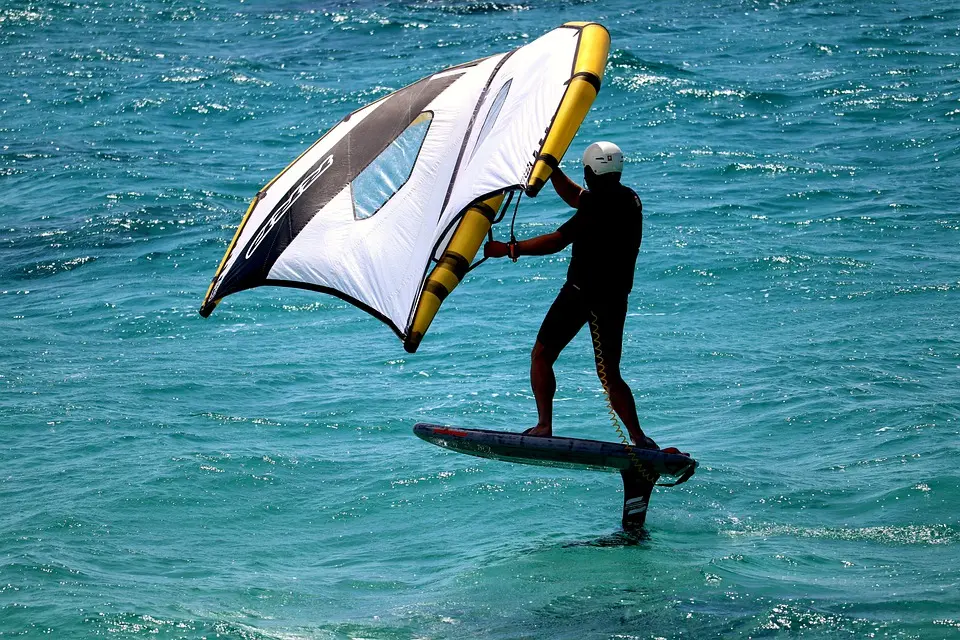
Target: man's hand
<point>495,249</point>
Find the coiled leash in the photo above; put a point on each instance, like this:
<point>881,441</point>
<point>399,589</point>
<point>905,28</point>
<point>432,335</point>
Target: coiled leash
<point>602,374</point>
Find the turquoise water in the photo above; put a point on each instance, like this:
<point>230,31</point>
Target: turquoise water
<point>254,475</point>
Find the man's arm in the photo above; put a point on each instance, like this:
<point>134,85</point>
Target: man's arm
<point>539,246</point>
<point>568,190</point>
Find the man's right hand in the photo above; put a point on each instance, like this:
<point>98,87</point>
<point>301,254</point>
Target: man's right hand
<point>495,249</point>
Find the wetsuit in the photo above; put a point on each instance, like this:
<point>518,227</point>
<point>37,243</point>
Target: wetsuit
<point>606,232</point>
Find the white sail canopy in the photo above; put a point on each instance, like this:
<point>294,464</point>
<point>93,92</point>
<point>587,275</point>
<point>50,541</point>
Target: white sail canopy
<point>365,211</point>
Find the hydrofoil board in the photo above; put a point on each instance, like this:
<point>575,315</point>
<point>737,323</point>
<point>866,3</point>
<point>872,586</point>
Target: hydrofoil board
<point>574,453</point>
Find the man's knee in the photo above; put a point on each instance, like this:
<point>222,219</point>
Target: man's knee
<point>542,354</point>
<point>614,379</point>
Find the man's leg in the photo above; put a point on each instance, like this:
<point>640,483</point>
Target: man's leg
<point>544,384</point>
<point>564,319</point>
<point>621,397</point>
<point>606,326</point>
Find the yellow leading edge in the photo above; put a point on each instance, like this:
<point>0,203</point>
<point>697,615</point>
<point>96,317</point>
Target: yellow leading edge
<point>581,91</point>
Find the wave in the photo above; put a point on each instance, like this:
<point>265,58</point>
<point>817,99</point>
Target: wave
<point>470,8</point>
<point>632,74</point>
<point>53,267</point>
<point>934,534</point>
<point>624,59</point>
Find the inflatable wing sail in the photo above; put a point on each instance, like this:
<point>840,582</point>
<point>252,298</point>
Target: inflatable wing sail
<point>388,209</point>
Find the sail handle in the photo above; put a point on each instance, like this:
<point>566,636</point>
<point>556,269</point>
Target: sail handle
<point>500,216</point>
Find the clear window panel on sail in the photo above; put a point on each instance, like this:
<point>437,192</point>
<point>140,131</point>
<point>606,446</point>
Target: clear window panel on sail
<point>389,171</point>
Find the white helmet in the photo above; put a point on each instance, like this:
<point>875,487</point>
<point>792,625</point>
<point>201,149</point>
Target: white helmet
<point>603,157</point>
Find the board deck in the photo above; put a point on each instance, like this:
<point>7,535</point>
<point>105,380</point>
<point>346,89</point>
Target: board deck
<point>573,453</point>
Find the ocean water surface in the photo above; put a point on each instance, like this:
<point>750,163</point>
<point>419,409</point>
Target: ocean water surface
<point>254,475</point>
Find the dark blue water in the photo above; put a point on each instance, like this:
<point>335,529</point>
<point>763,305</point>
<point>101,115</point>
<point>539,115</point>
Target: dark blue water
<point>254,475</point>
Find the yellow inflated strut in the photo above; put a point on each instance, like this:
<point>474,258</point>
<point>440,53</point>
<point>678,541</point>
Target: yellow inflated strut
<point>453,265</point>
<point>582,89</point>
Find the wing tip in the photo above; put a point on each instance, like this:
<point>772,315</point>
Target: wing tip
<point>412,342</point>
<point>581,25</point>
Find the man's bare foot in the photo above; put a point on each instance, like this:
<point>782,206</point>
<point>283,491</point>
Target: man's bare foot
<point>645,443</point>
<point>540,431</point>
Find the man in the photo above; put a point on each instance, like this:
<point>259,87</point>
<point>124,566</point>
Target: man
<point>605,231</point>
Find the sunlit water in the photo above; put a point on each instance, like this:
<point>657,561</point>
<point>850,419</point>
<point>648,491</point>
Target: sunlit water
<point>254,475</point>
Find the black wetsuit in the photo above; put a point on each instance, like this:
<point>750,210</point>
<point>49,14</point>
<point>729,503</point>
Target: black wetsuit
<point>606,232</point>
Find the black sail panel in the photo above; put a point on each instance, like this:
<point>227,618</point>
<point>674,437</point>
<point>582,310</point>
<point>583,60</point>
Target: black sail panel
<point>326,178</point>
